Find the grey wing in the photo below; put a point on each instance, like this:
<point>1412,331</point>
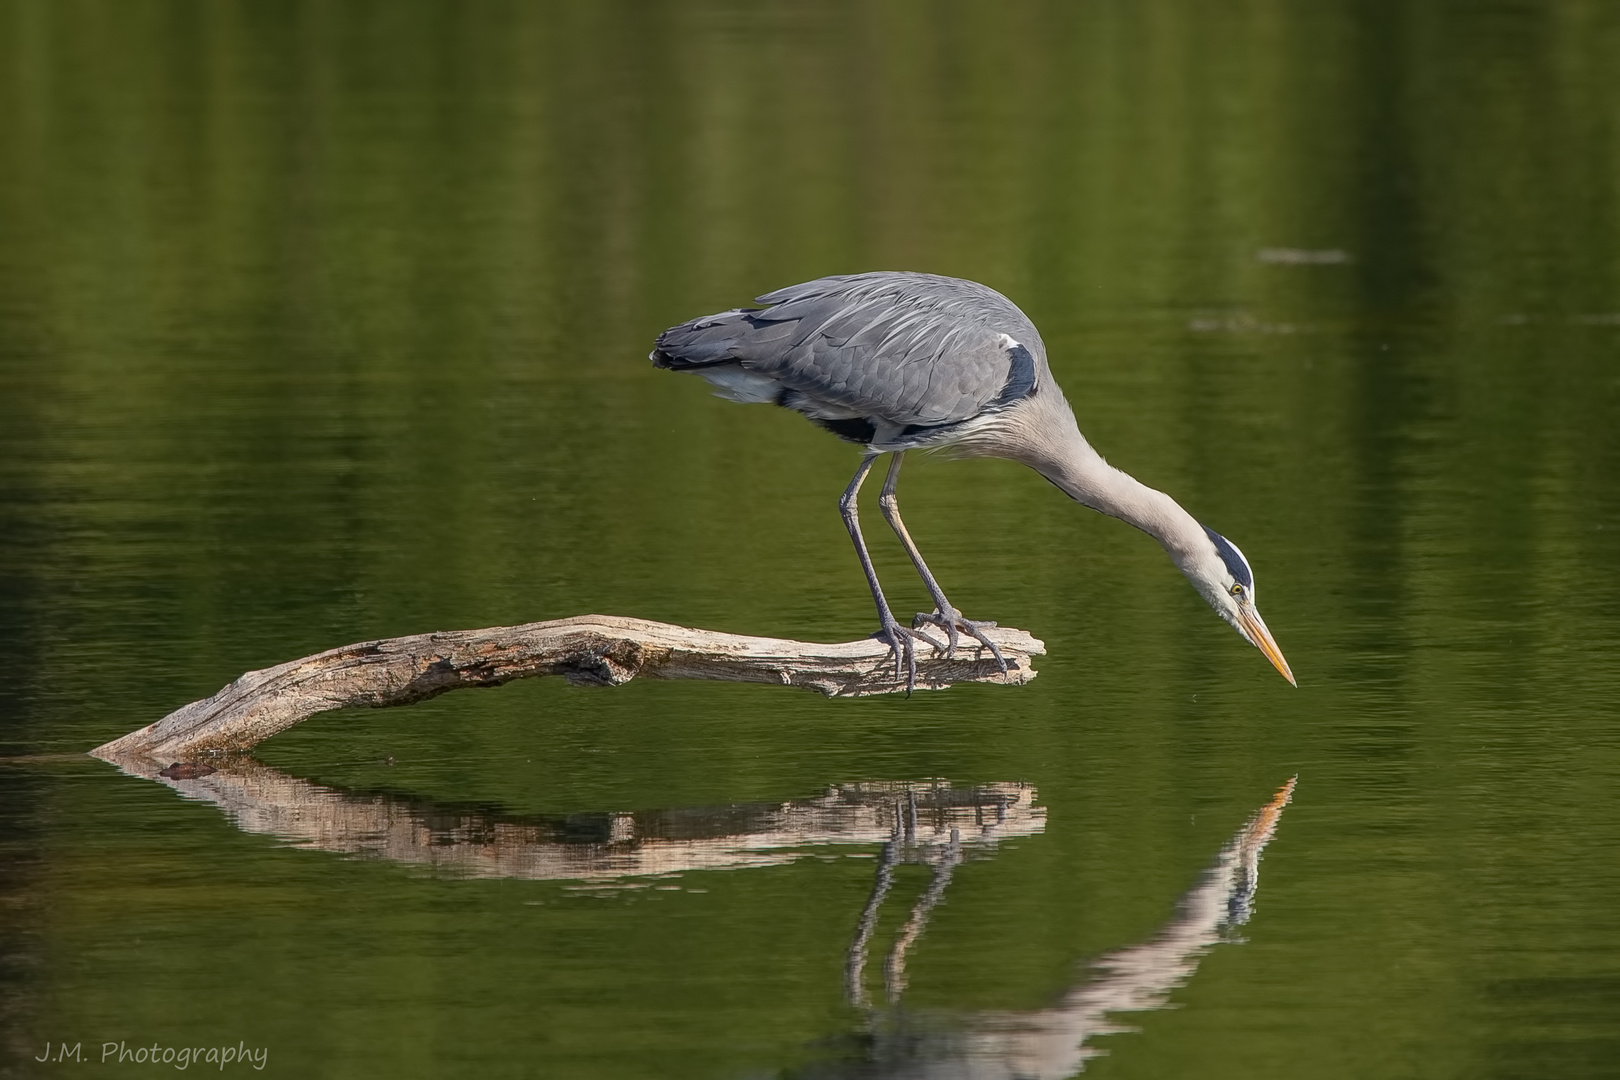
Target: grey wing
<point>909,349</point>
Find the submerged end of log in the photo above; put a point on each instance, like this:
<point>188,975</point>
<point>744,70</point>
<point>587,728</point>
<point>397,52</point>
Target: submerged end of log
<point>592,650</point>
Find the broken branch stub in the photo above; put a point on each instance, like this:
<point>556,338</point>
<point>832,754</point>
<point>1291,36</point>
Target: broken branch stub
<point>596,650</point>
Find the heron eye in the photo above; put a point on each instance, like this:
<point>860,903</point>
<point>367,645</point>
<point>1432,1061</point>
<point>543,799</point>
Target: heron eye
<point>1237,590</point>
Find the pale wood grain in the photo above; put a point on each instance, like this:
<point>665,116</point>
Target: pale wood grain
<point>599,650</point>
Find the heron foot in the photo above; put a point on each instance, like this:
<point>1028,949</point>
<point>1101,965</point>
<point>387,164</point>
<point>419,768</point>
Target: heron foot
<point>902,646</point>
<point>954,624</point>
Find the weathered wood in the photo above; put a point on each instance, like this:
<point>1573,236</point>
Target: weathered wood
<point>599,650</point>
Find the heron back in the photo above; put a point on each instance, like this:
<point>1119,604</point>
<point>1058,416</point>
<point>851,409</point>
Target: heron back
<point>882,353</point>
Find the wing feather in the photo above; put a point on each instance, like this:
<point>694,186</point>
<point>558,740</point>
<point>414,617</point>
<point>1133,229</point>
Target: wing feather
<point>905,349</point>
<point>909,349</point>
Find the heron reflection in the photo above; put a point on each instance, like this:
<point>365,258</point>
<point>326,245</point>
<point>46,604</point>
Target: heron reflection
<point>1055,1042</point>
<point>932,823</point>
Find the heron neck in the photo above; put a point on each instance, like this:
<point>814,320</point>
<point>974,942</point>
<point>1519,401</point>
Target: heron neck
<point>1082,473</point>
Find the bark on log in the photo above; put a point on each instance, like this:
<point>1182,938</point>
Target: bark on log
<point>597,650</point>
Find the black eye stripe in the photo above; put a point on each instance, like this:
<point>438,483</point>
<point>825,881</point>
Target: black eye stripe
<point>1235,563</point>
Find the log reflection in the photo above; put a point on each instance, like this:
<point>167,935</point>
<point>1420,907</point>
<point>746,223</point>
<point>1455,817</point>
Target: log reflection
<point>601,847</point>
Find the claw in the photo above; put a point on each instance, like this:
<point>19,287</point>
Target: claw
<point>949,621</point>
<point>901,641</point>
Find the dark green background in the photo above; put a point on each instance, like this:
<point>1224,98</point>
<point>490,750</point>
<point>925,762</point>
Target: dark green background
<point>325,321</point>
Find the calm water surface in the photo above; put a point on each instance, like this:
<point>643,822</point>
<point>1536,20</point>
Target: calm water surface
<point>327,321</point>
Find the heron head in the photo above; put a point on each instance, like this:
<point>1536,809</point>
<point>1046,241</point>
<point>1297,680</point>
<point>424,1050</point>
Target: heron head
<point>1222,576</point>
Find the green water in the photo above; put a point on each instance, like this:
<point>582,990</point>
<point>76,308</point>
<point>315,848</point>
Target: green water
<point>322,322</point>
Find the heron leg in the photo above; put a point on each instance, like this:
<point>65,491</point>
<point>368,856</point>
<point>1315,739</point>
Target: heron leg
<point>900,638</point>
<point>945,616</point>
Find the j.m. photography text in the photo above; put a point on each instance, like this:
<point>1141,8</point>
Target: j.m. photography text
<point>179,1057</point>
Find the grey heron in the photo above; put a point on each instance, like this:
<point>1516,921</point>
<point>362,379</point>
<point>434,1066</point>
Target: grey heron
<point>897,361</point>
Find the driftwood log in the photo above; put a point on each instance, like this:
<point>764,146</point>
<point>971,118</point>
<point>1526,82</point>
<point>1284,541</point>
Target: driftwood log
<point>596,650</point>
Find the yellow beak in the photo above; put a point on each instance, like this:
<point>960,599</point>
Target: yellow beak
<point>1262,639</point>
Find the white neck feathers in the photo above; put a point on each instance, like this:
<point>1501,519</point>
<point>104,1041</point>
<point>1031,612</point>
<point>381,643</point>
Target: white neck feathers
<point>1046,438</point>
